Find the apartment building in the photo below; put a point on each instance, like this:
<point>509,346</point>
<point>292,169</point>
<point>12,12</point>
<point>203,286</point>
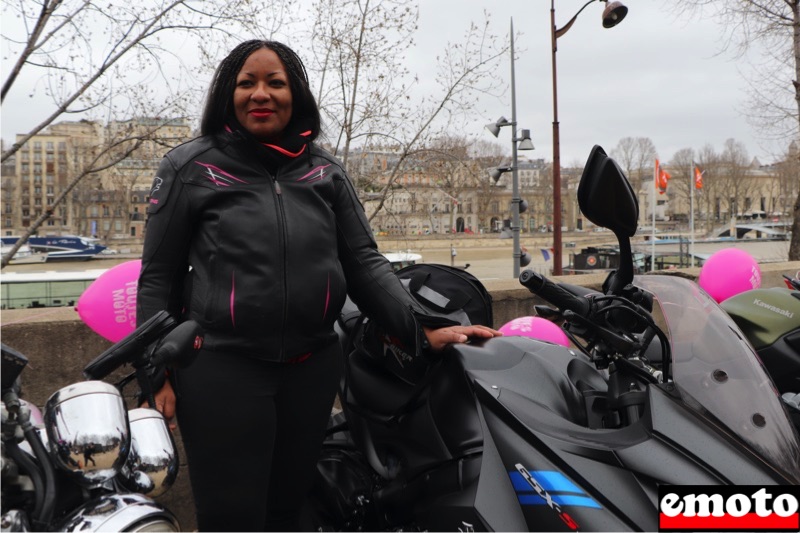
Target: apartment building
<point>429,192</point>
<point>68,160</point>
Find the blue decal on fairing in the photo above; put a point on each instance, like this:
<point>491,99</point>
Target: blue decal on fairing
<point>551,482</point>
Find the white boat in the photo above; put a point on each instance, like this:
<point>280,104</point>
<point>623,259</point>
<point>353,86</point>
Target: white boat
<point>24,255</point>
<point>59,247</point>
<point>402,259</point>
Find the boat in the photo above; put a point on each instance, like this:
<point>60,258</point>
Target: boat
<point>58,247</point>
<point>23,256</point>
<point>402,259</point>
<point>30,290</point>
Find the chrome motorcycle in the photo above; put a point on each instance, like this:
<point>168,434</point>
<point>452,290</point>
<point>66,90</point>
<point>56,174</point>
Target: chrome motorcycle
<point>87,462</point>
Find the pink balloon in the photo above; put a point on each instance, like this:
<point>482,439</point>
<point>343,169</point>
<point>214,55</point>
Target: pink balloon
<point>108,305</point>
<point>535,327</point>
<point>729,272</point>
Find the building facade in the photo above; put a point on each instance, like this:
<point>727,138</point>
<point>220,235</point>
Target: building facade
<point>87,179</point>
<point>56,175</point>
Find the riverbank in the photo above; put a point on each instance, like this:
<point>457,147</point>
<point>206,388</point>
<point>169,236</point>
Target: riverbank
<point>489,257</point>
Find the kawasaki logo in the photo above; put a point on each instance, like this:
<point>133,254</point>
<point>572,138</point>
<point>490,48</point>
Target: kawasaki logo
<point>765,305</point>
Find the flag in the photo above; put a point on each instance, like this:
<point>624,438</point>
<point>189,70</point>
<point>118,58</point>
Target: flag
<point>656,174</point>
<point>698,178</point>
<point>546,253</point>
<point>663,179</point>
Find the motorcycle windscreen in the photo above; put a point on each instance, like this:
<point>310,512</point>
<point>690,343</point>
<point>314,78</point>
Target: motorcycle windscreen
<point>718,373</point>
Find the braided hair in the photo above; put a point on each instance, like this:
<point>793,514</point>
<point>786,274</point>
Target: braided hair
<point>219,111</point>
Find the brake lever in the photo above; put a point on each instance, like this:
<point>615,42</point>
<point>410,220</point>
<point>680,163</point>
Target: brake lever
<point>616,342</point>
<point>547,312</point>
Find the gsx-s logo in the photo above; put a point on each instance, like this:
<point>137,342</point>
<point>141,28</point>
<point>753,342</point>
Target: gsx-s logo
<point>551,488</point>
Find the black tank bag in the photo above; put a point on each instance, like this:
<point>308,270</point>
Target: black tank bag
<point>442,290</point>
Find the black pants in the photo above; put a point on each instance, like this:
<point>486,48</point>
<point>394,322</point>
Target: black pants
<point>252,433</point>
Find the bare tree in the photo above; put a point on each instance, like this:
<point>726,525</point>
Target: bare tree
<point>706,198</point>
<point>679,170</point>
<point>775,102</point>
<point>636,156</point>
<point>368,96</point>
<point>625,154</point>
<point>788,182</point>
<point>110,61</point>
<point>735,162</point>
<point>486,155</point>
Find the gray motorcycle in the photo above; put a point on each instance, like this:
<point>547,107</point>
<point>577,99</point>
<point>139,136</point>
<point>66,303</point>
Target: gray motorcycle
<point>659,387</point>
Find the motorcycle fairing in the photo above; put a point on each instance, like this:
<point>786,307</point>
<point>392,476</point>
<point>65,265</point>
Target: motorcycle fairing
<point>518,448</point>
<point>529,426</point>
<point>770,318</point>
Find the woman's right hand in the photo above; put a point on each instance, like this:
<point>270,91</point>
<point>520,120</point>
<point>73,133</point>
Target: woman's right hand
<point>165,403</point>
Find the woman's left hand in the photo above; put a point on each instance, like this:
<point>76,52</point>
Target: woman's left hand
<point>440,338</point>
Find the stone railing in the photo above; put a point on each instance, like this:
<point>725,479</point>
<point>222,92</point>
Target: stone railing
<point>58,345</point>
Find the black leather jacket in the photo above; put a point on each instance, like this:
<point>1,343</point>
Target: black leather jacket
<point>272,257</point>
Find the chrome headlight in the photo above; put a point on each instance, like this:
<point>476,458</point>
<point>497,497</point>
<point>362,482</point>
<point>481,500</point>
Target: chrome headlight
<point>121,512</point>
<point>152,463</point>
<point>87,429</point>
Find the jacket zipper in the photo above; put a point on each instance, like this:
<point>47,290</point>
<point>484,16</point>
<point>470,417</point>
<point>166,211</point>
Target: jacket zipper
<point>284,239</point>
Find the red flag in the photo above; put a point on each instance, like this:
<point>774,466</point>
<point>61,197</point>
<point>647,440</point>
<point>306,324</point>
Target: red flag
<point>698,178</point>
<point>657,174</point>
<point>663,178</point>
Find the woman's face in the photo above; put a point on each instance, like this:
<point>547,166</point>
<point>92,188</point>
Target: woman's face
<point>262,100</point>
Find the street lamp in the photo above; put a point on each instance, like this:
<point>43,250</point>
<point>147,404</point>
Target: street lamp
<point>612,15</point>
<point>525,143</point>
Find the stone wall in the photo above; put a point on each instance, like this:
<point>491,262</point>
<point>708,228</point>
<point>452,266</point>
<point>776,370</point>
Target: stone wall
<point>58,345</point>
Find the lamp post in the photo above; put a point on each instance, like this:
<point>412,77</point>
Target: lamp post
<point>612,15</point>
<point>525,143</point>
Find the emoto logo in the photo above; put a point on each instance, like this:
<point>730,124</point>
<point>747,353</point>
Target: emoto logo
<point>728,508</point>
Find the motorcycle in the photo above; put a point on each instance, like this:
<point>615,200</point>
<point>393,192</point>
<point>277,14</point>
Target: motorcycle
<point>86,463</point>
<point>770,320</point>
<point>659,387</point>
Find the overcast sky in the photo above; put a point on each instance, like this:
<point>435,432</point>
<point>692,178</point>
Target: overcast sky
<point>654,75</point>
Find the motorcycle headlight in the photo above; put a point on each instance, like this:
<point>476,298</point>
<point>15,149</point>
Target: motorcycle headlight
<point>87,429</point>
<point>152,463</point>
<point>121,512</point>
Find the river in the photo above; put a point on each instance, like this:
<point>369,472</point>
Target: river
<point>486,261</point>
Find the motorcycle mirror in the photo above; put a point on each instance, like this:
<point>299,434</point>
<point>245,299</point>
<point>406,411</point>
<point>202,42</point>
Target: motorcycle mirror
<point>605,196</point>
<point>12,366</point>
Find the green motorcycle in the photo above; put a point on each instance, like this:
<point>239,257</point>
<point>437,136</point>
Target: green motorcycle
<point>770,319</point>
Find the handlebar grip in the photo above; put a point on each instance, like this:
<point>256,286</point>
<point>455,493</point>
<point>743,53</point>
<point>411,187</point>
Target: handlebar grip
<point>131,347</point>
<point>180,346</point>
<point>553,293</point>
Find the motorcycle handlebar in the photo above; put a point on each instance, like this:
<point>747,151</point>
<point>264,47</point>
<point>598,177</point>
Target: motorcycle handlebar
<point>179,348</point>
<point>553,293</point>
<point>131,347</point>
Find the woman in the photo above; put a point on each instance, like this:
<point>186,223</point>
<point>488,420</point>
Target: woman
<point>275,237</point>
